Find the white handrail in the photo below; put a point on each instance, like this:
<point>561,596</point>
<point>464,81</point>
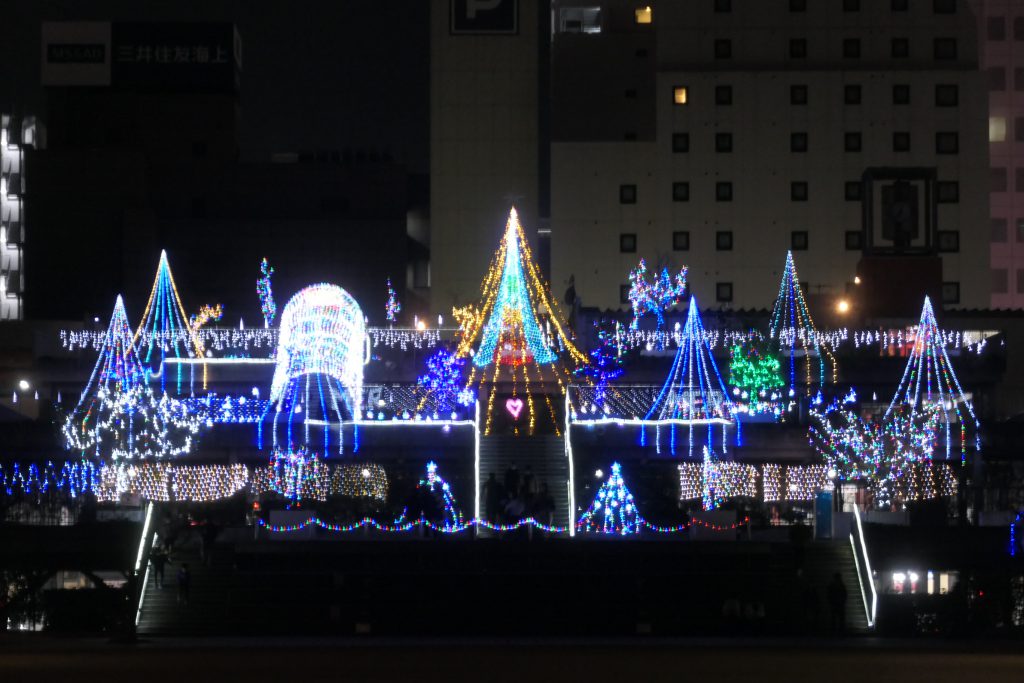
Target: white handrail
<point>870,610</point>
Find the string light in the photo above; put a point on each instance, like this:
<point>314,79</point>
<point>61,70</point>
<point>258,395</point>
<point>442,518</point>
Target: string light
<point>266,293</point>
<point>656,296</point>
<point>792,332</point>
<point>694,392</point>
<point>393,307</point>
<point>756,381</point>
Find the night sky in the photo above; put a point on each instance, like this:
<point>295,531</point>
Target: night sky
<point>315,74</point>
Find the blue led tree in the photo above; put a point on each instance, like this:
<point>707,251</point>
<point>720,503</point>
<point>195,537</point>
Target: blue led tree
<point>392,307</point>
<point>793,335</point>
<point>266,293</point>
<point>436,488</point>
<point>613,510</point>
<point>164,331</point>
<point>605,363</point>
<point>442,381</point>
<point>694,394</point>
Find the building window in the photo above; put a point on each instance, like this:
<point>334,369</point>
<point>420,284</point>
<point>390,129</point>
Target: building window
<point>627,243</point>
<point>996,79</point>
<point>853,190</point>
<point>851,5</point>
<point>900,48</point>
<point>996,27</point>
<point>798,142</point>
<point>798,191</point>
<point>641,53</point>
<point>899,5</point>
<point>997,128</point>
<point>949,241</point>
<point>798,240</point>
<point>1020,230</point>
<point>798,94</point>
<point>947,142</point>
<point>797,5</point>
<point>851,48</point>
<point>680,192</point>
<point>627,194</point>
<point>950,292</point>
<point>798,48</point>
<point>723,48</point>
<point>946,95</point>
<point>680,142</point>
<point>901,141</point>
<point>999,230</point>
<point>723,142</point>
<point>851,94</point>
<point>944,6</point>
<point>854,240</point>
<point>945,48</point>
<point>723,192</point>
<point>852,142</point>
<point>723,95</point>
<point>679,94</point>
<point>1000,281</point>
<point>1018,129</point>
<point>1020,281</point>
<point>723,292</point>
<point>681,240</point>
<point>947,192</point>
<point>629,136</point>
<point>901,93</point>
<point>723,240</point>
<point>643,15</point>
<point>1018,78</point>
<point>998,180</point>
<point>631,94</point>
<point>723,5</point>
<point>1018,185</point>
<point>1018,28</point>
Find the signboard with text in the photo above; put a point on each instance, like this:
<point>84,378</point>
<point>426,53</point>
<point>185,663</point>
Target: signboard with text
<point>169,56</point>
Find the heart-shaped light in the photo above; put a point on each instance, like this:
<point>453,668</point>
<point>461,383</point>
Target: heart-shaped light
<point>514,406</point>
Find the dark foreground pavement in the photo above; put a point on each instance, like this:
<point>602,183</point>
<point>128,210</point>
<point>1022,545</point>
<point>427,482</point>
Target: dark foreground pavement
<point>522,661</point>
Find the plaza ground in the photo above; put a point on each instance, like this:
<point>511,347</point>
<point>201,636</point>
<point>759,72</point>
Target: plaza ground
<point>523,661</point>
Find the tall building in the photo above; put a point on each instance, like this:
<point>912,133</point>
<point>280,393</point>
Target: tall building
<point>1001,36</point>
<point>14,136</point>
<point>486,142</point>
<point>721,133</point>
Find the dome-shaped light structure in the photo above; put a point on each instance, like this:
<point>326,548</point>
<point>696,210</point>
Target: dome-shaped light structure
<point>319,376</point>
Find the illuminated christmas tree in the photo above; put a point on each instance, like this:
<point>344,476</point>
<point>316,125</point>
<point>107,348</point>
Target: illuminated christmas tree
<point>164,331</point>
<point>613,510</point>
<point>434,485</point>
<point>516,337</point>
<point>793,336</point>
<point>442,382</point>
<point>118,416</point>
<point>605,363</point>
<point>930,382</point>
<point>694,395</point>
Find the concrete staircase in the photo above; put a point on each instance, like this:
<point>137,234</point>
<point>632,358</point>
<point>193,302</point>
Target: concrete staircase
<point>544,455</point>
<point>820,562</point>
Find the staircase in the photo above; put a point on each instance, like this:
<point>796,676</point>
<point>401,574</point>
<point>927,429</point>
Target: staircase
<point>208,607</point>
<point>545,456</point>
<point>821,561</point>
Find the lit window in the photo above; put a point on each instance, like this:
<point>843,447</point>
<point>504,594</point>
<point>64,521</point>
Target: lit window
<point>996,129</point>
<point>679,94</point>
<point>643,15</point>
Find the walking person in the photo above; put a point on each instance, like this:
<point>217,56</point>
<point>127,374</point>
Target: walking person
<point>158,558</point>
<point>184,579</point>
<point>837,603</point>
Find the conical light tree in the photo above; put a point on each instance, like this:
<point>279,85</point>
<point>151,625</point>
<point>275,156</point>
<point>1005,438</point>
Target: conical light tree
<point>118,416</point>
<point>929,382</point>
<point>516,335</point>
<point>613,510</point>
<point>793,335</point>
<point>165,331</point>
<point>694,395</point>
